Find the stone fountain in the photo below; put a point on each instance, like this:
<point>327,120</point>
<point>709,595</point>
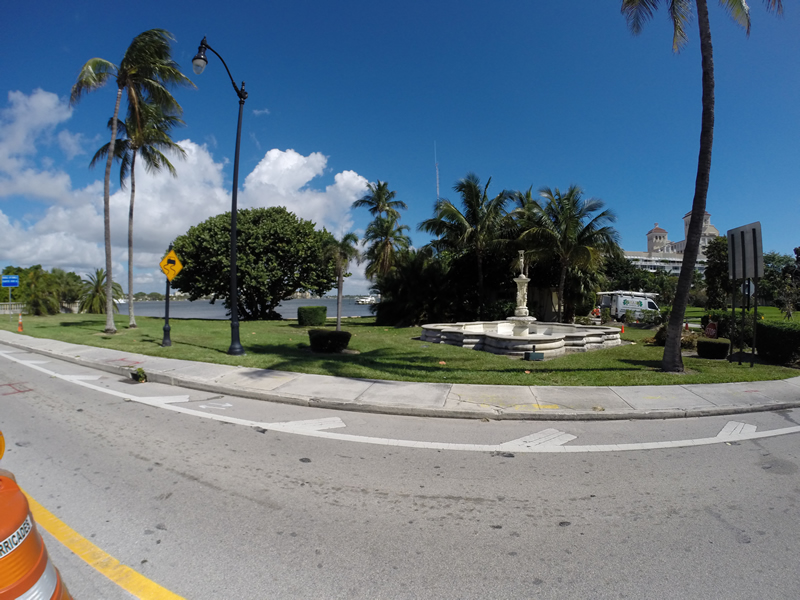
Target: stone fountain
<point>521,333</point>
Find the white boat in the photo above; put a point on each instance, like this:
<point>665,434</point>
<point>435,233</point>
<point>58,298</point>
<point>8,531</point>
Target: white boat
<point>366,300</point>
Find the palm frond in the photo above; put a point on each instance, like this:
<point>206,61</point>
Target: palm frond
<point>94,74</point>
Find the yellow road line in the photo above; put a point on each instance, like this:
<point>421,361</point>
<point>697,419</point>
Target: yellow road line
<point>122,575</point>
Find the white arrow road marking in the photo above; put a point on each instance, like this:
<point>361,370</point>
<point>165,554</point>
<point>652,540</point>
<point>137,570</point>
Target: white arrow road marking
<point>310,424</point>
<point>554,446</point>
<point>735,428</point>
<point>219,405</point>
<point>546,437</point>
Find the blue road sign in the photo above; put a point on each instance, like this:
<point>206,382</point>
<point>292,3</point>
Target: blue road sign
<point>10,281</point>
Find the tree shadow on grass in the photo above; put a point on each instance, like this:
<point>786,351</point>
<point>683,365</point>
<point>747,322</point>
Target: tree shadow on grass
<point>83,323</point>
<point>651,365</point>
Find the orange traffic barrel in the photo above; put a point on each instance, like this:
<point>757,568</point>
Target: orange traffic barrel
<point>25,568</point>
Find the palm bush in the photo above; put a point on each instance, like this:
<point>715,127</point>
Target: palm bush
<point>93,295</point>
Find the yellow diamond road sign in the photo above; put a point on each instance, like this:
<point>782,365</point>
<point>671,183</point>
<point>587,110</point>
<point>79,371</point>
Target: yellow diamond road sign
<point>170,265</point>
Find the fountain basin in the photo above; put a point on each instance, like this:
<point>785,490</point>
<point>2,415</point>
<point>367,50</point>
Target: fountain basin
<point>514,338</point>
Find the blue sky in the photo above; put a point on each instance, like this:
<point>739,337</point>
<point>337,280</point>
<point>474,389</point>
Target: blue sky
<point>527,93</point>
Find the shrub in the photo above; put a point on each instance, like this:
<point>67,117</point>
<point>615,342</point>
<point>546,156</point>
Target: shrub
<point>325,340</point>
<point>716,349</point>
<point>605,315</point>
<point>312,316</point>
<point>688,340</point>
<point>583,321</point>
<point>777,341</point>
<point>666,311</point>
<point>629,317</point>
<point>651,317</point>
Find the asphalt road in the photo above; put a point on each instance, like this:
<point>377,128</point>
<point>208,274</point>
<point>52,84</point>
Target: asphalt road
<point>214,510</point>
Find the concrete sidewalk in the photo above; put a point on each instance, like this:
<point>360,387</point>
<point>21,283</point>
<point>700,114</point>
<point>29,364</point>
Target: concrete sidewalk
<point>432,399</point>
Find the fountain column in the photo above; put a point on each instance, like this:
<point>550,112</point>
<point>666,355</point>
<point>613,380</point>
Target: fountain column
<point>521,316</point>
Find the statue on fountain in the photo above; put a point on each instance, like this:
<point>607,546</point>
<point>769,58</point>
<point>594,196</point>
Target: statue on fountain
<point>521,311</point>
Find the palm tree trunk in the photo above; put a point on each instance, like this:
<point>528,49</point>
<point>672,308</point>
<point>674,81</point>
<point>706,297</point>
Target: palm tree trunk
<point>110,328</point>
<point>131,317</point>
<point>672,361</point>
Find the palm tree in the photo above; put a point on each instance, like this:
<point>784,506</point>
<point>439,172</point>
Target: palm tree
<point>477,229</point>
<point>145,72</point>
<point>386,238</point>
<point>566,230</point>
<point>342,251</point>
<point>380,200</point>
<point>93,295</point>
<point>148,136</point>
<point>637,12</point>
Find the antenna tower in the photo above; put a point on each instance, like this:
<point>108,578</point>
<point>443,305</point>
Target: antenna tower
<point>437,171</point>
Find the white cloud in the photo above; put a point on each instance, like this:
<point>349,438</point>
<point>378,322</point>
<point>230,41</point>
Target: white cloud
<point>69,234</point>
<point>71,143</point>
<point>260,111</point>
<point>282,179</point>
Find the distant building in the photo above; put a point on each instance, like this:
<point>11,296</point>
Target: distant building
<point>665,255</point>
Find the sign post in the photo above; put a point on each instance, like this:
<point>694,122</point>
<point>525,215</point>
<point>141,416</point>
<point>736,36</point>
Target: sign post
<point>10,281</point>
<point>745,261</point>
<point>170,266</point>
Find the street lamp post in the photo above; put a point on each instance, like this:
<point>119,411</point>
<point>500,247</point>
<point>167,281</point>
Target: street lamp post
<point>199,63</point>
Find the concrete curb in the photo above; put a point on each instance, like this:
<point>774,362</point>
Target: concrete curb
<point>494,413</point>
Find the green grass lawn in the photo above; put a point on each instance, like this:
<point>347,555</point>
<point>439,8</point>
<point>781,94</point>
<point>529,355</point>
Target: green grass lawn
<point>388,353</point>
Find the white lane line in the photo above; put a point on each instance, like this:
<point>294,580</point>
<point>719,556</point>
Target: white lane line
<point>734,428</point>
<point>166,404</point>
<point>216,405</point>
<point>310,424</point>
<point>81,377</point>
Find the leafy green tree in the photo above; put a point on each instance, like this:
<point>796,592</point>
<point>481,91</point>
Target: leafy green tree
<point>621,274</point>
<point>278,254</point>
<point>69,285</point>
<point>148,136</point>
<point>380,201</point>
<point>718,286</point>
<point>566,230</point>
<point>145,73</point>
<point>342,251</point>
<point>637,12</point>
<point>139,296</point>
<point>774,263</point>
<point>93,295</point>
<point>41,292</point>
<point>385,238</point>
<point>476,229</point>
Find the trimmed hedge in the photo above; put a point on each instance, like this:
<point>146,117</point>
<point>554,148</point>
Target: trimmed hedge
<point>778,342</point>
<point>312,316</point>
<point>326,340</point>
<point>708,348</point>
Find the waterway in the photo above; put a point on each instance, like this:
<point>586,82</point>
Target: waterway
<point>203,309</point>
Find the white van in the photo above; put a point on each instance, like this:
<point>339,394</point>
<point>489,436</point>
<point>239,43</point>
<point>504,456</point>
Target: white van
<point>619,302</point>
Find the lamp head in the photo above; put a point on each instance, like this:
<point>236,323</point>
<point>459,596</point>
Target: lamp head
<point>200,61</point>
